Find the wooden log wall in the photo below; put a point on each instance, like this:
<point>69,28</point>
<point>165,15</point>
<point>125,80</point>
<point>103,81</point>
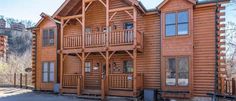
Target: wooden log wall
<point>220,48</point>
<point>34,52</point>
<point>204,50</point>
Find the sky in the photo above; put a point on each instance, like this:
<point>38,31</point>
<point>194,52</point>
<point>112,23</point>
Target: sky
<point>31,9</point>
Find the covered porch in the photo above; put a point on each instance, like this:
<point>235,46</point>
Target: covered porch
<point>118,78</point>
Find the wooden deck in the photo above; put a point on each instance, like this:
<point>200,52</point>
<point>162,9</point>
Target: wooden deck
<point>96,41</point>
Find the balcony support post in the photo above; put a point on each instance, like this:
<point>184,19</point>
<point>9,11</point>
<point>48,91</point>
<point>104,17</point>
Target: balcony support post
<point>83,24</point>
<point>107,23</point>
<point>135,26</point>
<point>135,72</point>
<point>61,56</point>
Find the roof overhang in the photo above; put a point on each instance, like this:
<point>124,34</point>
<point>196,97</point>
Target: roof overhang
<point>165,1</point>
<point>45,16</point>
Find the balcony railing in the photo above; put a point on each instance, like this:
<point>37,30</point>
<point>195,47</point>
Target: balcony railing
<point>121,81</point>
<point>71,80</point>
<point>98,39</point>
<point>72,41</point>
<point>122,37</point>
<point>125,81</point>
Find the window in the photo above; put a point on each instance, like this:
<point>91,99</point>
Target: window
<point>176,23</point>
<point>177,71</point>
<point>48,72</point>
<point>48,37</point>
<point>87,67</point>
<point>128,25</point>
<point>128,37</point>
<point>128,66</point>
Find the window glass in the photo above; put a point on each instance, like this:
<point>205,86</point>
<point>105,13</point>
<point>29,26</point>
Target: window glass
<point>51,67</point>
<point>87,67</point>
<point>51,36</point>
<point>128,25</point>
<point>182,29</point>
<point>170,30</point>
<point>128,66</point>
<point>170,18</point>
<point>45,77</point>
<point>45,35</point>
<point>45,67</point>
<point>171,72</point>
<point>176,23</point>
<point>88,30</point>
<point>51,74</point>
<point>48,37</point>
<point>183,68</point>
<point>48,72</point>
<point>183,17</point>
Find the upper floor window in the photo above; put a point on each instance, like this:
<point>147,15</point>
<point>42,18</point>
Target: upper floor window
<point>176,23</point>
<point>48,37</point>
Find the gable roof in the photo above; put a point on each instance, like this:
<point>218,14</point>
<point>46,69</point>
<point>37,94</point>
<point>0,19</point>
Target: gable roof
<point>73,2</point>
<point>43,17</point>
<point>165,1</point>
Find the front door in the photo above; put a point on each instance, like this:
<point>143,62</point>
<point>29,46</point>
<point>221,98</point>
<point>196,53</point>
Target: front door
<point>93,70</point>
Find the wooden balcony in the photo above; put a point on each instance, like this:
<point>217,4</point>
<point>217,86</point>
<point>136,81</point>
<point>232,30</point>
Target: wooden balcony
<point>95,40</point>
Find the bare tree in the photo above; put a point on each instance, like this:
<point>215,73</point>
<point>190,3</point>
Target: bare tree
<point>231,48</point>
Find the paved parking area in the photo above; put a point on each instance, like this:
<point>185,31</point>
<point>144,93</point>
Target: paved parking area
<point>15,94</point>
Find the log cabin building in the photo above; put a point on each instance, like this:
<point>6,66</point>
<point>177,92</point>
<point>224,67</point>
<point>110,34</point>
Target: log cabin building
<point>119,48</point>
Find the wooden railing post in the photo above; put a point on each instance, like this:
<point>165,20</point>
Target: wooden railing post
<point>78,86</point>
<point>26,86</point>
<point>233,86</point>
<point>20,80</point>
<point>14,82</point>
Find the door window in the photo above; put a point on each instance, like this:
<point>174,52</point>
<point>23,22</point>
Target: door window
<point>87,67</point>
<point>48,72</point>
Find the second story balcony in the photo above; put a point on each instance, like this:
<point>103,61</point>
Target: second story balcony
<point>118,38</point>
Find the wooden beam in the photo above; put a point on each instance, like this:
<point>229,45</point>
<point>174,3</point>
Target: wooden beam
<point>135,26</point>
<point>71,7</point>
<point>87,55</point>
<point>80,57</point>
<point>130,54</point>
<point>103,3</point>
<point>83,67</point>
<point>112,16</point>
<point>79,21</point>
<point>72,17</point>
<point>61,57</point>
<point>107,24</point>
<point>88,6</point>
<point>132,17</point>
<point>86,1</point>
<point>135,72</point>
<point>77,11</point>
<point>65,56</point>
<point>112,54</point>
<point>121,9</point>
<point>83,24</point>
<point>66,23</point>
<point>103,55</point>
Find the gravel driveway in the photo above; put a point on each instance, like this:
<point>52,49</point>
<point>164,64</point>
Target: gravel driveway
<point>14,94</point>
